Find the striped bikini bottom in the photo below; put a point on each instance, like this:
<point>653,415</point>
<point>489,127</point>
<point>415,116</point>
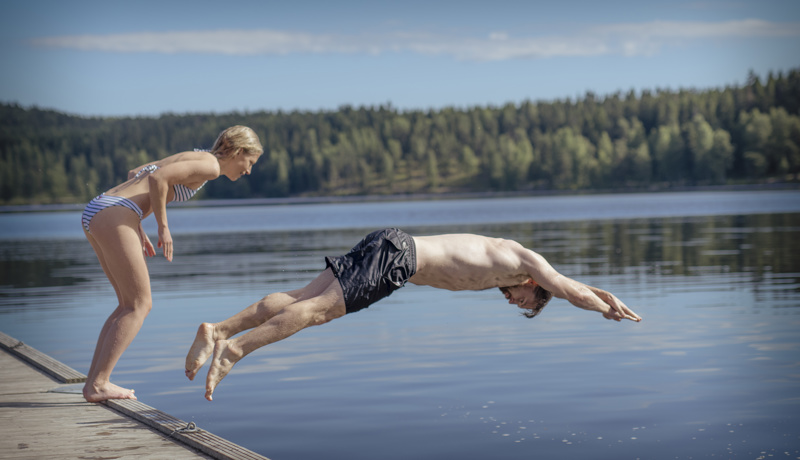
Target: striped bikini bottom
<point>103,202</point>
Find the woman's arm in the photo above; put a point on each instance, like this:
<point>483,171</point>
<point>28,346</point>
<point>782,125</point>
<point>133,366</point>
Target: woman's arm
<point>159,191</point>
<point>162,179</point>
<point>147,246</point>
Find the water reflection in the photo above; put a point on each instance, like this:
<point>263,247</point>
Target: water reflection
<point>763,246</point>
<point>711,372</point>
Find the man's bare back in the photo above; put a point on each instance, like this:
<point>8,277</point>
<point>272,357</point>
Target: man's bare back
<point>466,262</point>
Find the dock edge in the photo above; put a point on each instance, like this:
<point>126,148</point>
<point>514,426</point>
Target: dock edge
<point>174,428</point>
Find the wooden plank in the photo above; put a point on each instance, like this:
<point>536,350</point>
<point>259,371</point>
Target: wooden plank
<point>42,420</point>
<point>37,423</point>
<point>57,369</point>
<point>58,426</point>
<point>6,341</point>
<point>200,439</point>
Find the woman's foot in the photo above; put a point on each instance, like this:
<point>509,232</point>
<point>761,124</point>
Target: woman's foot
<point>106,391</point>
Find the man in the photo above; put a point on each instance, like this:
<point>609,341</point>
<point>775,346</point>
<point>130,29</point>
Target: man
<point>381,263</point>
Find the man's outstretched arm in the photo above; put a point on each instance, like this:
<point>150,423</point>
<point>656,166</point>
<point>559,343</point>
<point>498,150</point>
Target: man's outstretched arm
<point>578,294</point>
<point>619,310</point>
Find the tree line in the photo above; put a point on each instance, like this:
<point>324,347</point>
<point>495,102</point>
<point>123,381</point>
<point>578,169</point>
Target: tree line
<point>747,133</point>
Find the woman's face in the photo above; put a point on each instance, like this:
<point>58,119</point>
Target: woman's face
<point>241,165</point>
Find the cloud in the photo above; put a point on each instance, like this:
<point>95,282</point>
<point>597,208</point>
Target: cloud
<point>632,39</point>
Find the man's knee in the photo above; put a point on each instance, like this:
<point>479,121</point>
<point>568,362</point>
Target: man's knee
<point>320,316</point>
<point>337,311</point>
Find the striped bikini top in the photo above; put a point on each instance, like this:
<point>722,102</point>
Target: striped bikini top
<point>182,192</point>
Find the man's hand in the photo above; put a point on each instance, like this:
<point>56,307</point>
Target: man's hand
<point>618,310</point>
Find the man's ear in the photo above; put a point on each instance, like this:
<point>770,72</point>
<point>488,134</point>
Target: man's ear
<point>531,282</point>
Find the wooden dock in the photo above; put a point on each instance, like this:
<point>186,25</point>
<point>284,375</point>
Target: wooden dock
<point>43,416</point>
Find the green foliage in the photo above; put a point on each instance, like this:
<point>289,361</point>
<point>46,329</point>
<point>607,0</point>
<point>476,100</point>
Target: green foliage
<point>681,137</point>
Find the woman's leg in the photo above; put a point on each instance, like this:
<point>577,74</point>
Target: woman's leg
<point>114,232</point>
<point>104,331</point>
<point>252,316</point>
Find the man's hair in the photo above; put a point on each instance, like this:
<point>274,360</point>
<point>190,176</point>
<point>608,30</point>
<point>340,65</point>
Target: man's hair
<point>542,296</point>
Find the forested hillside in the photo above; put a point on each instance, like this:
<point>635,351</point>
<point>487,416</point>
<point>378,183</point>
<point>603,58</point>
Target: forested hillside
<point>660,137</point>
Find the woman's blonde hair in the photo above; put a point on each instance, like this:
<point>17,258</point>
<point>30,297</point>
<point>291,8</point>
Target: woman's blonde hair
<point>237,139</point>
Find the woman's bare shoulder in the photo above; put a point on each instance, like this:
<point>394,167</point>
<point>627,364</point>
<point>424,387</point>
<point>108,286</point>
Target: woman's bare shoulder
<point>189,155</point>
<point>189,168</point>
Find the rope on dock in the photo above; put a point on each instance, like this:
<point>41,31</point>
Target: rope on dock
<point>190,427</point>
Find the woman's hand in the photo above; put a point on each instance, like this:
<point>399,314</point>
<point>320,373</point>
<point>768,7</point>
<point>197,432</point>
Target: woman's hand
<point>147,246</point>
<point>165,242</point>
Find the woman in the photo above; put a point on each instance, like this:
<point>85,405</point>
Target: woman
<point>112,223</point>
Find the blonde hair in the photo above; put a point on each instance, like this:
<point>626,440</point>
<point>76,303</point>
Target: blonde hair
<point>237,139</point>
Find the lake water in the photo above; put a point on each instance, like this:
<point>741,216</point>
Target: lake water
<point>713,370</point>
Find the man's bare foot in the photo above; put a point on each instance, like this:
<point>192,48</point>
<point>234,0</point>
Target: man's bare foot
<point>201,349</point>
<point>225,356</point>
<point>102,392</point>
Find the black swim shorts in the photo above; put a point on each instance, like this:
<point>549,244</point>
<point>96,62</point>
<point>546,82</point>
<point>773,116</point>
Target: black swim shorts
<point>377,266</point>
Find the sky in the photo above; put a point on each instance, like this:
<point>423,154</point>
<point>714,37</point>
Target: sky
<point>147,58</point>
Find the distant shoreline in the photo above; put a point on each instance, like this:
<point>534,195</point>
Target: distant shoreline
<point>419,196</point>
